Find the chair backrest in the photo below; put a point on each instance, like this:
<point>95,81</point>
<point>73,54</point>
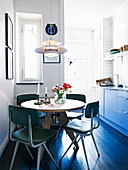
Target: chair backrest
<point>19,115</point>
<point>92,107</point>
<point>80,97</point>
<point>25,97</point>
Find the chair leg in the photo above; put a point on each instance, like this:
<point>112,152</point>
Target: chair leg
<point>95,144</point>
<point>42,122</point>
<point>77,142</point>
<point>38,157</point>
<point>46,149</point>
<point>57,133</point>
<point>85,152</point>
<point>14,155</point>
<point>68,148</point>
<point>29,151</point>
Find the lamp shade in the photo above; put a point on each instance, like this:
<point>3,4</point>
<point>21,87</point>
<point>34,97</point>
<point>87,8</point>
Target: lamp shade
<point>51,46</point>
<point>52,49</point>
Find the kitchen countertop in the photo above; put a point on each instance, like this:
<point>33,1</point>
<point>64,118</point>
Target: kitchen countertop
<point>113,88</point>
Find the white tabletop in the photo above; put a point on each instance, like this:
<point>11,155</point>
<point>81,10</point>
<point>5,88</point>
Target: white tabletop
<point>54,107</point>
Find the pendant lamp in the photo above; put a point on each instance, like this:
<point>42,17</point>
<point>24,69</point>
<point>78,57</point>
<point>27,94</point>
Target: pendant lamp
<point>51,46</point>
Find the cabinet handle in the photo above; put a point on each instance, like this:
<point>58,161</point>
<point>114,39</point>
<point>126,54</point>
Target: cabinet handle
<point>125,112</point>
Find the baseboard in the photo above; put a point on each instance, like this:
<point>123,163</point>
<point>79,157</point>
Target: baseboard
<point>115,126</point>
<point>3,145</point>
<point>5,142</point>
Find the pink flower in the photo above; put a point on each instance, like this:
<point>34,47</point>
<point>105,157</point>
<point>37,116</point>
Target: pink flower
<point>60,87</point>
<point>63,88</point>
<point>54,89</point>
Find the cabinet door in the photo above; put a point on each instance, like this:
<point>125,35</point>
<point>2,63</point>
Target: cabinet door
<point>123,109</point>
<point>123,104</point>
<point>123,119</point>
<point>111,105</point>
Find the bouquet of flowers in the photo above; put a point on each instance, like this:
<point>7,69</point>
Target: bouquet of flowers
<point>60,92</point>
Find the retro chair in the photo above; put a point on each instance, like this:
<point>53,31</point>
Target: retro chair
<point>76,114</point>
<point>83,128</point>
<point>31,134</point>
<point>25,97</point>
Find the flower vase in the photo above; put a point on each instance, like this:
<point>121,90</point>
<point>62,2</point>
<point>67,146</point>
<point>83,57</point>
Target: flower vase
<point>60,97</point>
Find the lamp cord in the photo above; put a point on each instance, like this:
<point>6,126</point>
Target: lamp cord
<point>50,11</point>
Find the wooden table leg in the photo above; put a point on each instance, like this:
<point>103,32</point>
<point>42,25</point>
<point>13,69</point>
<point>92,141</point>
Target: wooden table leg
<point>63,119</point>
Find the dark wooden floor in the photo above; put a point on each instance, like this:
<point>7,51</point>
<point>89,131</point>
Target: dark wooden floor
<point>113,148</point>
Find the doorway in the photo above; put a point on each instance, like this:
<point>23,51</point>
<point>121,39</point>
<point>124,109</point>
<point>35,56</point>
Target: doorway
<point>78,59</point>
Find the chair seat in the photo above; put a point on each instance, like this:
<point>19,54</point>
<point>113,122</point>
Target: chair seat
<point>39,135</point>
<point>78,126</point>
<point>42,114</point>
<point>84,127</point>
<point>73,115</point>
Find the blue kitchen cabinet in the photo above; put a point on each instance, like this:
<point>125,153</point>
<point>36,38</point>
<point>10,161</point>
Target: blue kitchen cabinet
<point>123,119</point>
<point>115,108</point>
<point>123,109</point>
<point>111,112</point>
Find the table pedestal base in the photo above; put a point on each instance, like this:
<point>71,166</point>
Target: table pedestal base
<point>63,119</point>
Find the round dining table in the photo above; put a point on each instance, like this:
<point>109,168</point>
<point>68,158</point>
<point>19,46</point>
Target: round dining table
<point>51,109</point>
<point>69,105</point>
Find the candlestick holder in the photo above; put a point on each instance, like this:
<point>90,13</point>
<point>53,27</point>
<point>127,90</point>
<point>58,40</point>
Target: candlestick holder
<point>38,102</point>
<point>46,96</point>
<point>47,99</point>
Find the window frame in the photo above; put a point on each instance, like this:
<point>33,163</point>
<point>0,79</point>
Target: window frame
<point>20,66</point>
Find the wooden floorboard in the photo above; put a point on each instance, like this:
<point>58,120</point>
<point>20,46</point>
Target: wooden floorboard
<point>112,145</point>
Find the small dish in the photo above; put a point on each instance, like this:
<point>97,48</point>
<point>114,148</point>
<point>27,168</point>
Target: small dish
<point>113,52</point>
<point>42,100</point>
<point>38,103</point>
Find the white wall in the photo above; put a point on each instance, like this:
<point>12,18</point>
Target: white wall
<point>120,38</point>
<point>97,73</point>
<point>107,45</point>
<point>52,73</point>
<point>6,86</point>
<point>120,27</point>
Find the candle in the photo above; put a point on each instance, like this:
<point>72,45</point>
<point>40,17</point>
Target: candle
<point>45,90</point>
<point>38,89</point>
<point>45,93</point>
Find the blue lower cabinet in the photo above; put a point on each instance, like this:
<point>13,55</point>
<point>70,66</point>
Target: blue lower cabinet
<point>115,109</point>
<point>123,119</point>
<point>123,104</point>
<point>123,111</point>
<point>111,112</point>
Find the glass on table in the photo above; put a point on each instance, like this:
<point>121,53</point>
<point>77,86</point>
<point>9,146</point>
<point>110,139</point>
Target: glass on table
<point>44,99</point>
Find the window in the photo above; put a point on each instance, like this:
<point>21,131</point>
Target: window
<point>29,63</point>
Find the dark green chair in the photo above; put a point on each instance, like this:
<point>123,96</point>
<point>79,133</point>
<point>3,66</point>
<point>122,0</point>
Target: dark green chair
<point>25,97</point>
<point>83,128</point>
<point>31,134</point>
<point>78,113</point>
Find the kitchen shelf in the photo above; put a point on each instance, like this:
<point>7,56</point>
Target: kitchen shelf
<point>113,56</point>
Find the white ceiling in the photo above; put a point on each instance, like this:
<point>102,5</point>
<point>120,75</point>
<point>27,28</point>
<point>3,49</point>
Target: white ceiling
<point>89,13</point>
